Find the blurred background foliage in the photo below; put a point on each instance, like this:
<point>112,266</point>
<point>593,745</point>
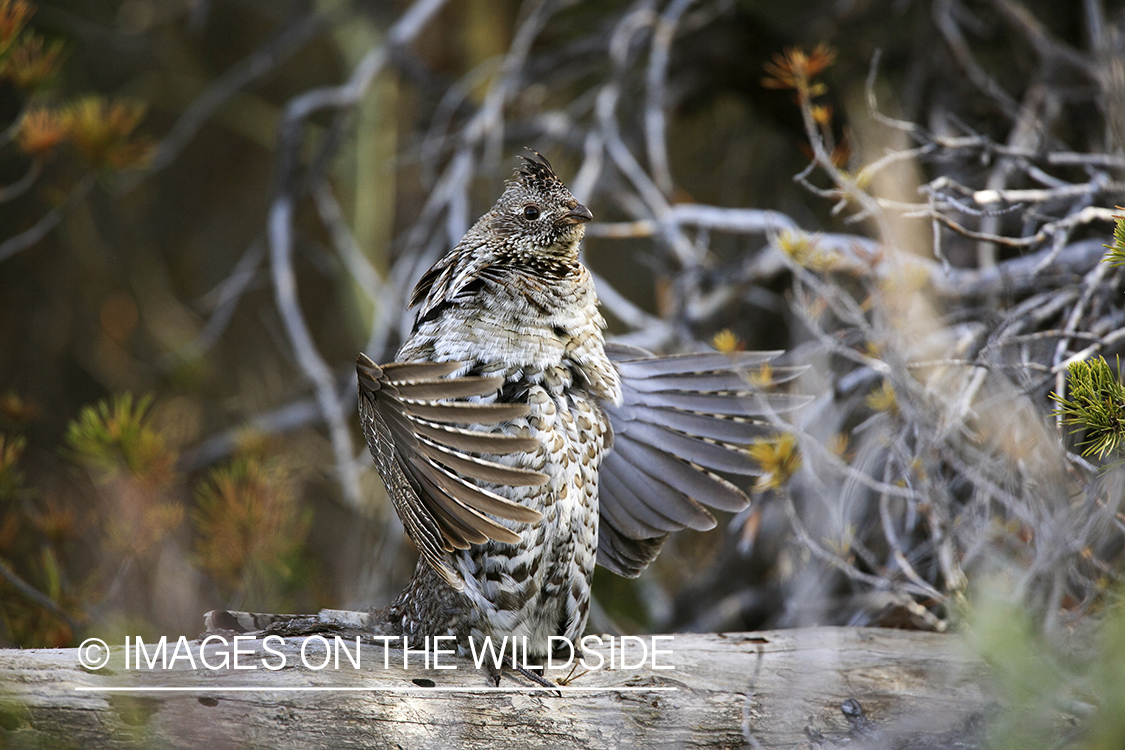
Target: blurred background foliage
<point>177,434</point>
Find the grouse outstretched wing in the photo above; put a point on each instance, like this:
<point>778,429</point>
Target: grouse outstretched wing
<point>418,426</point>
<point>683,420</point>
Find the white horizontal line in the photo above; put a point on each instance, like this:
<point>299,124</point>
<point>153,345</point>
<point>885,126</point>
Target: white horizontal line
<point>413,689</point>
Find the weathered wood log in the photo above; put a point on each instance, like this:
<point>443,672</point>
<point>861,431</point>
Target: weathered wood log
<point>771,689</point>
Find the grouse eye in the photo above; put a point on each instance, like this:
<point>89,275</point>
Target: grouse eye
<point>531,213</point>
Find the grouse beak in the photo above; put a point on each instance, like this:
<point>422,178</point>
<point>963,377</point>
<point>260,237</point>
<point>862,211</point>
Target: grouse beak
<point>577,215</point>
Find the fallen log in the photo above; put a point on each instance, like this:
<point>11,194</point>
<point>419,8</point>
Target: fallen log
<point>774,689</point>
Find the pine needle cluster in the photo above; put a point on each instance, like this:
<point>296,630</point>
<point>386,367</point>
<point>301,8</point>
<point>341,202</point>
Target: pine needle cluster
<point>1096,406</point>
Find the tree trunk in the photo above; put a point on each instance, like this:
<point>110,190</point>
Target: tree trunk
<point>771,689</point>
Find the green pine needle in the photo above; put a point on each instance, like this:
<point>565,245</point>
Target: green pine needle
<point>1096,406</point>
<point>115,436</point>
<point>1116,254</point>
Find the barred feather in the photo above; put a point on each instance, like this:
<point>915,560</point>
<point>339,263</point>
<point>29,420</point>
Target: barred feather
<point>682,419</point>
<point>405,410</point>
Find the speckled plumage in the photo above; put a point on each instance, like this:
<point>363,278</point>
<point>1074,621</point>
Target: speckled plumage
<point>520,449</point>
<point>512,300</point>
